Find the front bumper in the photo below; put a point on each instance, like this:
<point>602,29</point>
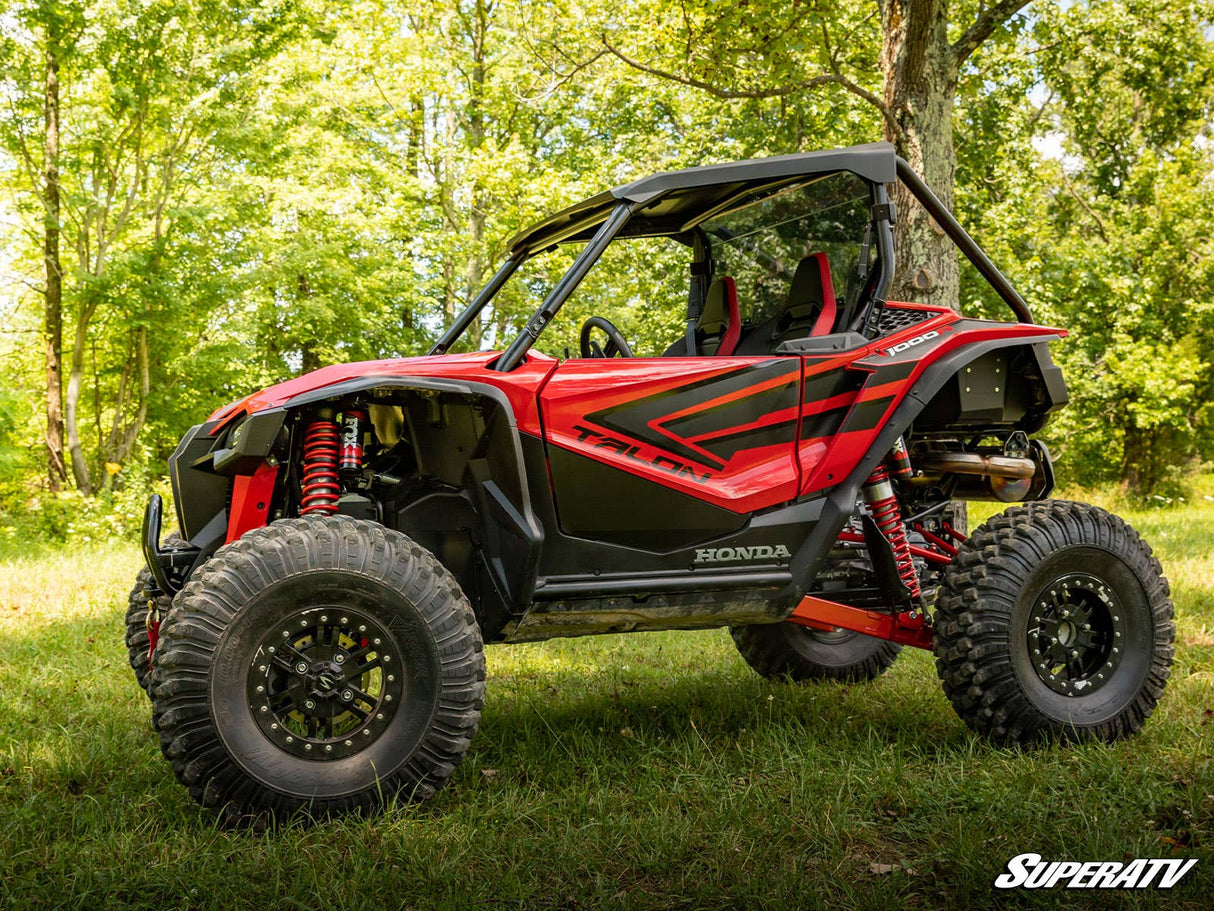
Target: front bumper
<point>169,566</point>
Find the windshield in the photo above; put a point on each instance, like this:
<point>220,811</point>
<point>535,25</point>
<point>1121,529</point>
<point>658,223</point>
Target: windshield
<point>761,244</point>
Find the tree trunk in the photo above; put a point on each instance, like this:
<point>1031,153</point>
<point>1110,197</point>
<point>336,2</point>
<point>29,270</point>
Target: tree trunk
<point>53,316</point>
<point>75,381</point>
<point>920,70</point>
<point>476,141</point>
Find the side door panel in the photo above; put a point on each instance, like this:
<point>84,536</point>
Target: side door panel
<point>720,432</point>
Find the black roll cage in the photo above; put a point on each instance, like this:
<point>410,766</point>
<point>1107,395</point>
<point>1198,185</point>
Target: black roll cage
<point>618,209</point>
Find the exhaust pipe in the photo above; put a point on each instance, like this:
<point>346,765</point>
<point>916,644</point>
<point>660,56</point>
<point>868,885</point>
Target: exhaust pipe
<point>987,466</point>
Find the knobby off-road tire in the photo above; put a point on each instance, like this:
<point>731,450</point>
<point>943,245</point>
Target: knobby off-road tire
<point>786,651</point>
<point>137,622</point>
<point>1054,621</point>
<point>320,664</point>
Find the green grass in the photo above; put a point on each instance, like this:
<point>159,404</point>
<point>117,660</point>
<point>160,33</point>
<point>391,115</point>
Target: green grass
<point>643,771</point>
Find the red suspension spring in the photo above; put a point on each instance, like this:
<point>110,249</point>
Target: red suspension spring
<point>884,508</point>
<point>321,487</point>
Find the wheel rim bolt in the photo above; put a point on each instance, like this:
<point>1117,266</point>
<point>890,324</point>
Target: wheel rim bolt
<point>346,695</point>
<point>345,621</point>
<point>301,668</point>
<point>309,704</point>
<point>339,658</point>
<point>324,619</point>
<point>328,748</point>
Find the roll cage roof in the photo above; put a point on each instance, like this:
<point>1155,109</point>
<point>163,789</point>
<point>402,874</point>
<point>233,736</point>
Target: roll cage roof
<point>669,202</point>
<point>673,203</point>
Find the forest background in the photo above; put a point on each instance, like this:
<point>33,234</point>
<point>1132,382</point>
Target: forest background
<point>201,198</point>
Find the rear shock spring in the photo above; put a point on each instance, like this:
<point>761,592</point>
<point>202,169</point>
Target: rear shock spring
<point>887,514</point>
<point>320,484</point>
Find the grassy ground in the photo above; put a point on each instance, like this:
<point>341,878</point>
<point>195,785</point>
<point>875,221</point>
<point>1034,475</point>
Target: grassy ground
<point>640,771</point>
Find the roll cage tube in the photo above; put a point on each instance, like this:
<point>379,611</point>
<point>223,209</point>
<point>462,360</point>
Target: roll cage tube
<point>936,209</point>
<point>469,313</point>
<point>882,223</point>
<point>565,287</point>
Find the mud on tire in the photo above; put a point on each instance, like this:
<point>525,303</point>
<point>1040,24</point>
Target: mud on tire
<point>1054,621</point>
<point>319,664</point>
<point>787,651</point>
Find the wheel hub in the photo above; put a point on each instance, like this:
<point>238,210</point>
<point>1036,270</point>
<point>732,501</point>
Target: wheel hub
<point>1074,634</point>
<point>325,683</point>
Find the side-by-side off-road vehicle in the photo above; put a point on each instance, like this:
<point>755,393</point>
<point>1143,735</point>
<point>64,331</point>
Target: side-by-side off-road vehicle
<point>793,466</point>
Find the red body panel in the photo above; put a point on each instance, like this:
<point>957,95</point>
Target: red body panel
<point>666,423</point>
<point>827,458</point>
<point>741,433</point>
<point>251,500</point>
<point>521,386</point>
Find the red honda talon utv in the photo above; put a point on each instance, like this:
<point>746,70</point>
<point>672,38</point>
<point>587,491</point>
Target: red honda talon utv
<point>789,467</point>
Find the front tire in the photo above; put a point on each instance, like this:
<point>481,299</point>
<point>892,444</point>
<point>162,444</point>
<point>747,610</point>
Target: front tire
<point>319,664</point>
<point>1054,621</point>
<point>138,642</point>
<point>788,651</point>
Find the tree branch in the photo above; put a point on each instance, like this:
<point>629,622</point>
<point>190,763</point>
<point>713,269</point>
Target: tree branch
<point>1084,204</point>
<point>779,92</point>
<point>984,26</point>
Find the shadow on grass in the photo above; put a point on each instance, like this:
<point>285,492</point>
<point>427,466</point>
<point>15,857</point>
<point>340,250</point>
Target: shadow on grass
<point>71,714</point>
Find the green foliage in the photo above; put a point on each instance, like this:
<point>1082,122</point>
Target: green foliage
<point>255,189</point>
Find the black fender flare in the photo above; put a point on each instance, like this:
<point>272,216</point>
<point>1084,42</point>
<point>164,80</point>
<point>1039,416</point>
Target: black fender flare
<point>840,503</point>
<point>499,515</point>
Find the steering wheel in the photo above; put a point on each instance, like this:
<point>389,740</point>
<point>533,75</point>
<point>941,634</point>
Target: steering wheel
<point>615,339</point>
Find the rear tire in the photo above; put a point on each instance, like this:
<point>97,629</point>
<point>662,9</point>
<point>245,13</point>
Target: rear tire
<point>319,664</point>
<point>788,651</point>
<point>1054,621</point>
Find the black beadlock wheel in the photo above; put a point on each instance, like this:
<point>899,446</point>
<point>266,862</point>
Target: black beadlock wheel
<point>137,641</point>
<point>320,664</point>
<point>1054,620</point>
<point>787,651</point>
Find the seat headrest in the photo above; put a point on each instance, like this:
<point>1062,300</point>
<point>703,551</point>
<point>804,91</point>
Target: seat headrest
<point>811,296</point>
<point>719,324</point>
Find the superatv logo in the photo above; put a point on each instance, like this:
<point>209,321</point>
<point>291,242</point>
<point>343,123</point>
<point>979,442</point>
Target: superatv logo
<point>1029,871</point>
<point>911,343</point>
<point>731,554</point>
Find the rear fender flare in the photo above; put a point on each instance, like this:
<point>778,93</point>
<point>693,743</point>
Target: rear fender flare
<point>840,502</point>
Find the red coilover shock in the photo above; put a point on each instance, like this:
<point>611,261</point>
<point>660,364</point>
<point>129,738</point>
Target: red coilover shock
<point>321,487</point>
<point>883,506</point>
